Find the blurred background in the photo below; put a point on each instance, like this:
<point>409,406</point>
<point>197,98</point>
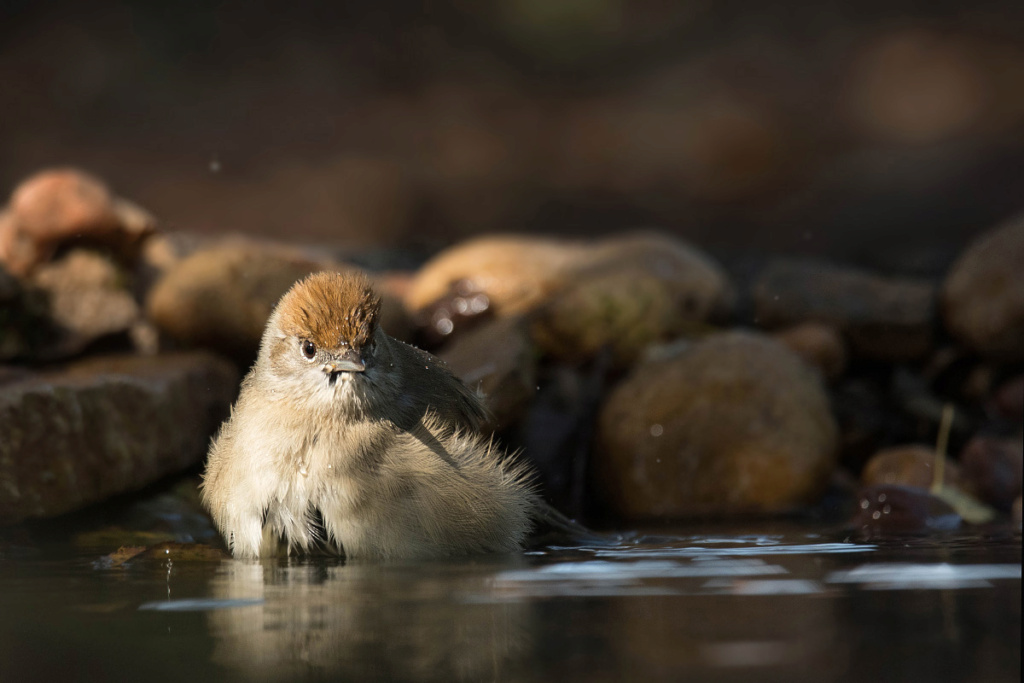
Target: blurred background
<point>885,133</point>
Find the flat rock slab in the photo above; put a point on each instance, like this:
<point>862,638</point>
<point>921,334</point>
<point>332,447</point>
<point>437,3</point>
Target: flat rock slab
<point>105,426</point>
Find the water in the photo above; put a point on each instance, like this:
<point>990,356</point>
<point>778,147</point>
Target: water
<point>753,602</point>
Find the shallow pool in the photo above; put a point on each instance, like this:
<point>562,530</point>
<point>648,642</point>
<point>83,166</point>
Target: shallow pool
<point>778,601</point>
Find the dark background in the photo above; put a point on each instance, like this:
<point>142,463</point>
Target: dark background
<point>881,133</point>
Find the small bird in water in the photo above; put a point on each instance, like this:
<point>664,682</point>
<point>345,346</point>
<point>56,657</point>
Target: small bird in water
<point>347,440</point>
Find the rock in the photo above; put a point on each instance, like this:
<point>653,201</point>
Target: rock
<point>57,207</point>
<point>983,295</point>
<point>628,293</point>
<point>821,346</point>
<point>514,272</point>
<point>500,360</point>
<point>992,470</point>
<point>882,318</point>
<point>912,465</point>
<point>887,510</point>
<point>220,298</point>
<point>88,298</point>
<point>106,426</point>
<point>735,423</point>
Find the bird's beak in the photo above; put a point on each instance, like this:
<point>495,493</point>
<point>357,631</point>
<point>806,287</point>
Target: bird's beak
<point>350,361</point>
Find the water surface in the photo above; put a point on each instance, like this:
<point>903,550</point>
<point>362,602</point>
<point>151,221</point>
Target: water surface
<point>753,602</point>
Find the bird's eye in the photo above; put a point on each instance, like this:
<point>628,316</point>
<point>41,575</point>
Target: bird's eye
<point>308,349</point>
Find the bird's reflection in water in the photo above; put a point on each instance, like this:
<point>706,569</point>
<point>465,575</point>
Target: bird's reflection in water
<point>367,622</point>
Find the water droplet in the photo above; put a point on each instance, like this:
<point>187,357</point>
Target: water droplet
<point>445,326</point>
<point>876,515</point>
<point>657,430</point>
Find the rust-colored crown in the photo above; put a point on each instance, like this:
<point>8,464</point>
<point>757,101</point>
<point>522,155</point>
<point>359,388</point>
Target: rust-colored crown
<point>331,308</point>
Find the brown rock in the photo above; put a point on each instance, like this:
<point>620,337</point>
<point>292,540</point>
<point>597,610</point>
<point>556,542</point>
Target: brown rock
<point>88,298</point>
<point>57,207</point>
<point>821,346</point>
<point>220,298</point>
<point>499,359</point>
<point>627,293</point>
<point>882,318</point>
<point>912,465</point>
<point>515,272</point>
<point>105,426</point>
<point>983,295</point>
<point>734,423</point>
<point>992,469</point>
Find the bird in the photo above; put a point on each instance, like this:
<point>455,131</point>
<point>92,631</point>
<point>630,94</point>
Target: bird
<point>345,440</point>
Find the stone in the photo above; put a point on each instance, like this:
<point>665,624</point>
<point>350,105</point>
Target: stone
<point>106,426</point>
<point>515,272</point>
<point>888,510</point>
<point>58,207</point>
<point>627,293</point>
<point>735,423</point>
<point>912,465</point>
<point>992,469</point>
<point>629,290</point>
<point>220,298</point>
<point>882,318</point>
<point>821,346</point>
<point>499,360</point>
<point>983,295</point>
<point>88,298</point>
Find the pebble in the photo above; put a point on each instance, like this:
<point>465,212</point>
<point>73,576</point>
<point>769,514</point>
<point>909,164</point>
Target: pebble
<point>888,510</point>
